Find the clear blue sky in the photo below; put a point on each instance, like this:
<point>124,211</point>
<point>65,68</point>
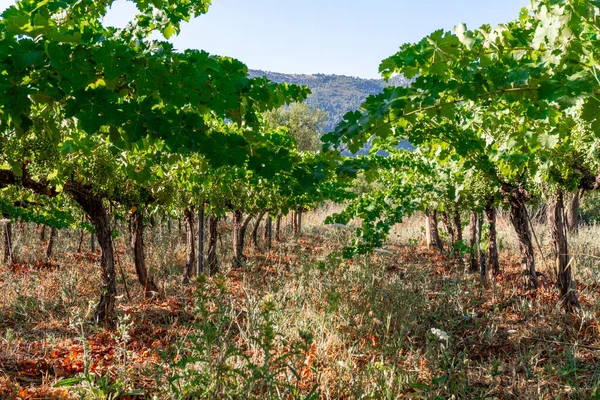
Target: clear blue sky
<point>346,37</point>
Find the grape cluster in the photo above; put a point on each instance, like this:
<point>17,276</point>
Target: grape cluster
<point>101,168</point>
<point>166,193</point>
<point>44,149</point>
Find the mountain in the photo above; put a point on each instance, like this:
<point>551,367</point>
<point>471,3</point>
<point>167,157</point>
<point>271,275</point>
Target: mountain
<point>334,94</point>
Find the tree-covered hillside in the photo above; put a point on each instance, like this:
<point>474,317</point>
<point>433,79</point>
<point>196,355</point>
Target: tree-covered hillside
<point>334,94</point>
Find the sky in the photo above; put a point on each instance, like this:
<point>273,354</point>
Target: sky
<point>344,37</point>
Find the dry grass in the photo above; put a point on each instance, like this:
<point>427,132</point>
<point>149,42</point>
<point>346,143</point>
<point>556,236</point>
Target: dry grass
<point>347,329</point>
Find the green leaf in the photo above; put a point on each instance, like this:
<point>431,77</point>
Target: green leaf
<point>464,36</point>
<point>591,114</point>
<point>548,141</point>
<point>169,31</point>
<point>69,382</point>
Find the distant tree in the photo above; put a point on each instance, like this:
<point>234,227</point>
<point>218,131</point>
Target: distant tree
<point>305,124</point>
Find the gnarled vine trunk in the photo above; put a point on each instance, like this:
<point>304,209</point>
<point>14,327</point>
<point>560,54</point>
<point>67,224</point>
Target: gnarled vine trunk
<point>458,231</point>
<point>139,256</point>
<point>560,247</point>
<point>492,253</point>
<point>572,211</point>
<point>519,217</point>
<point>268,232</point>
<point>81,235</point>
<point>434,235</point>
<point>188,216</point>
<point>255,231</point>
<point>92,243</point>
<point>100,219</point>
<point>9,257</point>
<point>212,262</point>
<point>51,241</point>
<point>200,235</point>
<point>293,222</point>
<point>238,241</point>
<point>473,243</point>
<point>457,226</point>
<point>298,222</point>
<point>450,230</point>
<point>240,226</point>
<point>480,252</point>
<point>278,228</point>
